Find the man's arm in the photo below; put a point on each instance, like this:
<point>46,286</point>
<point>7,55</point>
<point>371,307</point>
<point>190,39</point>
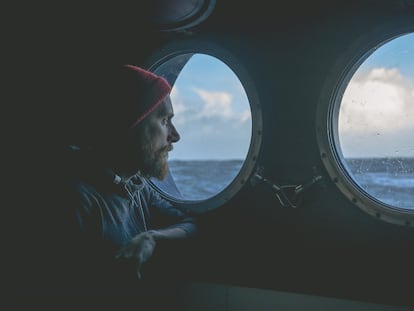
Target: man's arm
<point>169,233</point>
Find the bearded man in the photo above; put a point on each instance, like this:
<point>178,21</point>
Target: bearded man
<point>119,216</point>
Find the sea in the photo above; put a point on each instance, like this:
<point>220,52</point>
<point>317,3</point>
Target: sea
<point>202,179</point>
<point>390,180</point>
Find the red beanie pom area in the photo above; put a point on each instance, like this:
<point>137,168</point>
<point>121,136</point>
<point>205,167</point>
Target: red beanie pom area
<point>156,88</point>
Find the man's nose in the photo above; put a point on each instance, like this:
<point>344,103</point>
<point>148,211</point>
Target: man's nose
<point>174,135</point>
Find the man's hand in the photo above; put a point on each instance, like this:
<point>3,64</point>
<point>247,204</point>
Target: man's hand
<point>140,247</point>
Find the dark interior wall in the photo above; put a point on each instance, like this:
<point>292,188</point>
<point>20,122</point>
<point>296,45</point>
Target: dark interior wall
<point>328,246</point>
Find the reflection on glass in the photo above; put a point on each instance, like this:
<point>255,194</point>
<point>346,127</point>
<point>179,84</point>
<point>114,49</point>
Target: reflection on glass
<point>213,117</point>
<point>376,123</point>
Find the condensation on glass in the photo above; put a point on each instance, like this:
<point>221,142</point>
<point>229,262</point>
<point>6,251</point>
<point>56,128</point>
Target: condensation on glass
<point>376,124</point>
<point>213,117</point>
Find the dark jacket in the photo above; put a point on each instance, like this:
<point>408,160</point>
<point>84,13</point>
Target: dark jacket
<point>116,212</point>
<point>104,216</point>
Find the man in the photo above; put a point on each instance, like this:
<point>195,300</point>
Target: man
<point>119,216</point>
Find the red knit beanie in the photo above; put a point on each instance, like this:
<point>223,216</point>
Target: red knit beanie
<point>154,88</point>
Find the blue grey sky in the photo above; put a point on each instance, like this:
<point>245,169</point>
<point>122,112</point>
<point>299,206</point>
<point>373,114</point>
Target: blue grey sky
<point>212,112</point>
<point>397,53</point>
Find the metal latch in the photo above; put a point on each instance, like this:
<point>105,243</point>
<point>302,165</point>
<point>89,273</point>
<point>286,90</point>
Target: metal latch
<point>289,195</point>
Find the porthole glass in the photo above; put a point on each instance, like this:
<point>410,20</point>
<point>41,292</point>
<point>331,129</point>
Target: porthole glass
<point>365,123</point>
<point>214,116</point>
<point>376,123</point>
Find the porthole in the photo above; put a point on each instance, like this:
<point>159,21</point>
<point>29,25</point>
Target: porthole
<point>217,114</point>
<point>365,124</point>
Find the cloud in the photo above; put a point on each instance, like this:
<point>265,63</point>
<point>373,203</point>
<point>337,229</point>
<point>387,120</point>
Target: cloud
<point>216,104</point>
<point>220,105</point>
<point>245,115</point>
<point>179,106</point>
<point>380,101</point>
<point>377,114</point>
<point>208,106</point>
<point>212,125</point>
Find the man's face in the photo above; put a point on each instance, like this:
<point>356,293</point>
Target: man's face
<point>156,139</point>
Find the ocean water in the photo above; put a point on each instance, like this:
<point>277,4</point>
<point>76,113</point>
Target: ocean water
<point>390,180</point>
<point>202,179</point>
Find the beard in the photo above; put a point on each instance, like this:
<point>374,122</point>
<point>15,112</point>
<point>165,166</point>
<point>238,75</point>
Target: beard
<point>154,162</point>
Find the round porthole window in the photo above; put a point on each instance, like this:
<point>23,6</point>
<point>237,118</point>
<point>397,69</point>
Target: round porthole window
<point>366,134</point>
<point>217,115</point>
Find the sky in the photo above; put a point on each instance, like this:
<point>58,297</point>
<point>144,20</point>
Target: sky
<point>376,118</point>
<point>211,112</point>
